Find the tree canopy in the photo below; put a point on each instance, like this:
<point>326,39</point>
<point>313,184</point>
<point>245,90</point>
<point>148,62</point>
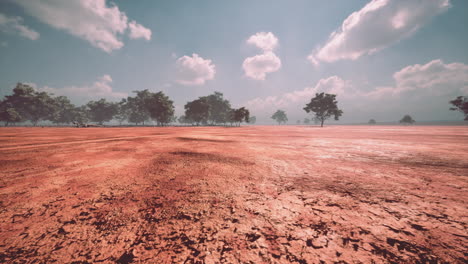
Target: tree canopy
<point>280,117</point>
<point>324,106</point>
<point>407,120</point>
<point>460,104</point>
<point>28,104</point>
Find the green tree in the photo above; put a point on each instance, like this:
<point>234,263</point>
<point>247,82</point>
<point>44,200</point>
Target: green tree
<point>280,117</point>
<point>42,107</point>
<point>81,114</point>
<point>136,107</point>
<point>101,111</point>
<point>252,120</point>
<point>198,111</point>
<point>63,112</point>
<point>372,122</point>
<point>407,120</point>
<point>21,100</point>
<point>306,121</point>
<point>219,108</point>
<point>122,111</point>
<point>324,106</point>
<point>241,115</point>
<point>460,104</point>
<point>160,108</point>
<point>8,113</point>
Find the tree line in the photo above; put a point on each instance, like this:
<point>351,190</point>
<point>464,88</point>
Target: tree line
<point>27,104</point>
<point>324,106</point>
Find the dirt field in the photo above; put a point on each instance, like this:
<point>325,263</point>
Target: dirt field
<point>356,194</point>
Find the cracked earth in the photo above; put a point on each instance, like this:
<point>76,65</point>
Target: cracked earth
<point>356,194</point>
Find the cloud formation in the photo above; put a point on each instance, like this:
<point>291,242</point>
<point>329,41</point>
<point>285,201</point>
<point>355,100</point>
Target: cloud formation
<point>257,67</point>
<point>138,31</point>
<point>15,25</point>
<point>332,84</point>
<point>92,20</point>
<point>194,70</point>
<point>101,88</point>
<point>266,41</point>
<point>379,24</point>
<point>434,78</point>
<point>423,89</point>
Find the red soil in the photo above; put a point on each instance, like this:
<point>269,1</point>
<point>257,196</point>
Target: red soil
<point>234,195</point>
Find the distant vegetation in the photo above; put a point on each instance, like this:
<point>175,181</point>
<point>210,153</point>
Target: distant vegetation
<point>27,104</point>
<point>324,106</point>
<point>460,104</point>
<point>280,117</point>
<point>407,120</point>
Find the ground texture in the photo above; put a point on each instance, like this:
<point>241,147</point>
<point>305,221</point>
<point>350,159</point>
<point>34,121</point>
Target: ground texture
<point>234,195</point>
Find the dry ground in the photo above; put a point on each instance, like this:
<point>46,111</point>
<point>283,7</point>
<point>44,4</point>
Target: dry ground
<point>234,195</point>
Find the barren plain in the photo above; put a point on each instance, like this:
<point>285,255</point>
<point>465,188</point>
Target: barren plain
<point>272,194</point>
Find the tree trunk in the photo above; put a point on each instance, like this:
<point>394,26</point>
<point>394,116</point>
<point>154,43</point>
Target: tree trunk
<point>321,125</point>
<point>6,123</point>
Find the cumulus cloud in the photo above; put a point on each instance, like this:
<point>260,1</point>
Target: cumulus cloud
<point>92,20</point>
<point>15,25</point>
<point>266,41</point>
<point>194,70</point>
<point>377,25</point>
<point>434,78</point>
<point>421,89</point>
<point>101,88</point>
<point>138,31</point>
<point>257,67</point>
<point>332,84</point>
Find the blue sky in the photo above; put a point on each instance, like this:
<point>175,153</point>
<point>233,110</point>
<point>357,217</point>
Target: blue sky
<point>383,58</point>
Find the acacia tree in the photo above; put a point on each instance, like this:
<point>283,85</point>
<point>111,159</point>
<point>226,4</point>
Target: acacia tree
<point>460,104</point>
<point>136,108</point>
<point>63,111</point>
<point>160,108</point>
<point>407,120</point>
<point>372,122</point>
<point>122,111</point>
<point>324,106</point>
<point>81,114</point>
<point>42,107</point>
<point>219,108</point>
<point>241,115</point>
<point>21,101</point>
<point>306,121</point>
<point>8,113</point>
<point>101,111</point>
<point>280,117</point>
<point>252,120</point>
<point>198,111</point>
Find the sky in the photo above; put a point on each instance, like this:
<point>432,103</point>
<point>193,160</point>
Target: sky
<point>382,58</point>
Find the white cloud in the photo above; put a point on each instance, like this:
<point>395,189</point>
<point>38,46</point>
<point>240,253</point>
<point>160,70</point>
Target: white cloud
<point>15,25</point>
<point>138,31</point>
<point>434,78</point>
<point>258,66</point>
<point>332,84</point>
<point>92,20</point>
<point>194,70</point>
<point>377,25</point>
<point>263,40</point>
<point>421,89</point>
<point>99,89</point>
